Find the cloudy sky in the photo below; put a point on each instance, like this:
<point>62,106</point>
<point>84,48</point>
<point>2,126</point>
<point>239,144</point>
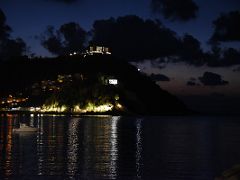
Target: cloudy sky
<point>29,19</point>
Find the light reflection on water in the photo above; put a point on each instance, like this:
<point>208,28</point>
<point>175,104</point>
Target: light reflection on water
<point>114,151</point>
<point>139,147</point>
<point>73,146</point>
<point>101,139</point>
<point>114,147</point>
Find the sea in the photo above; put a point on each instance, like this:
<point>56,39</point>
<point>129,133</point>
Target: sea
<point>118,147</point>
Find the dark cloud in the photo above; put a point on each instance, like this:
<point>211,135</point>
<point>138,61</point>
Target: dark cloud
<point>191,51</point>
<point>193,79</point>
<point>68,38</point>
<point>64,1</point>
<point>223,57</point>
<point>134,38</point>
<point>191,83</point>
<point>159,63</point>
<point>217,95</point>
<point>159,66</point>
<point>192,54</point>
<point>212,79</point>
<point>183,10</point>
<point>227,27</point>
<point>236,69</point>
<point>159,77</point>
<point>231,56</point>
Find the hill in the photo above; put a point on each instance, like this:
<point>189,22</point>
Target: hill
<point>85,84</point>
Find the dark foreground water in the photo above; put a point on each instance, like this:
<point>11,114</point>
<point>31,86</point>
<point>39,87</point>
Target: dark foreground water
<point>112,147</point>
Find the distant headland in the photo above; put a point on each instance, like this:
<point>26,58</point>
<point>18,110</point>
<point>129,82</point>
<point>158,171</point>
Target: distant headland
<point>92,83</point>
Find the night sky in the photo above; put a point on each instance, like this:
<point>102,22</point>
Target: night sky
<point>29,19</point>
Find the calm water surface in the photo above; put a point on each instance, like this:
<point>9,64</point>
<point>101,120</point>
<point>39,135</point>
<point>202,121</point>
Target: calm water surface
<point>114,147</point>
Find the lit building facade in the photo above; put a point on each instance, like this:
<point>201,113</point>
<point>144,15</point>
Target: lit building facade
<point>98,50</point>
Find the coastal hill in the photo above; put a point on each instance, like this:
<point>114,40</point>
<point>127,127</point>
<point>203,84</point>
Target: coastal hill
<point>84,84</point>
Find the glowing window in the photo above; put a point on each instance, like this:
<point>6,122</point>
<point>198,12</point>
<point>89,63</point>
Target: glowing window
<point>113,81</point>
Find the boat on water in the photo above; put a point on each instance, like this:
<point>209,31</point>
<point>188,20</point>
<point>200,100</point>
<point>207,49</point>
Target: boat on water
<point>25,128</point>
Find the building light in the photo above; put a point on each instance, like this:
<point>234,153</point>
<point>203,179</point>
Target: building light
<point>97,50</point>
<point>101,108</point>
<point>16,109</point>
<point>113,81</point>
<point>119,106</point>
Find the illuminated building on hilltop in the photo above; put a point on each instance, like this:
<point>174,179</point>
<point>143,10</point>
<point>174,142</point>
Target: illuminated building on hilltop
<point>93,50</point>
<point>98,50</point>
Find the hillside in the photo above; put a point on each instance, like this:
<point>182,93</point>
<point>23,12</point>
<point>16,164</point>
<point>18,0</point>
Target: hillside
<point>85,83</point>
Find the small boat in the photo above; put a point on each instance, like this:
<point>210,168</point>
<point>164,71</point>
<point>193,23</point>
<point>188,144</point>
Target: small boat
<point>25,128</point>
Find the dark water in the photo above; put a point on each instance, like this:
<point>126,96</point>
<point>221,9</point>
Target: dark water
<point>109,147</point>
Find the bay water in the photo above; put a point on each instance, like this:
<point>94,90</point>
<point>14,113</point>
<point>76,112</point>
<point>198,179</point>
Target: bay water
<point>118,147</point>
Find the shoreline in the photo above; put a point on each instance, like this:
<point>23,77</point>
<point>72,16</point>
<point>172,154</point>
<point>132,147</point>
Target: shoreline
<point>60,113</point>
<point>113,113</point>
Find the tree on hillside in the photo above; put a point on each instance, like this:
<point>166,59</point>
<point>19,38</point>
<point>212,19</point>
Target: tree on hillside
<point>9,47</point>
<point>68,38</point>
<point>4,28</point>
<point>136,39</point>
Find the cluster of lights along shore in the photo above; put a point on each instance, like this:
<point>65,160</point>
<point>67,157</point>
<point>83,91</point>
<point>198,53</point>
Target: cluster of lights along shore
<point>77,109</point>
<point>90,107</point>
<point>14,103</point>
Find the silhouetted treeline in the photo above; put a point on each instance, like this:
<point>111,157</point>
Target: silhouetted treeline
<point>69,38</point>
<point>135,39</point>
<point>9,47</point>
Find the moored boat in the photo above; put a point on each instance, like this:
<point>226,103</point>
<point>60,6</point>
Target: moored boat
<point>25,128</point>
